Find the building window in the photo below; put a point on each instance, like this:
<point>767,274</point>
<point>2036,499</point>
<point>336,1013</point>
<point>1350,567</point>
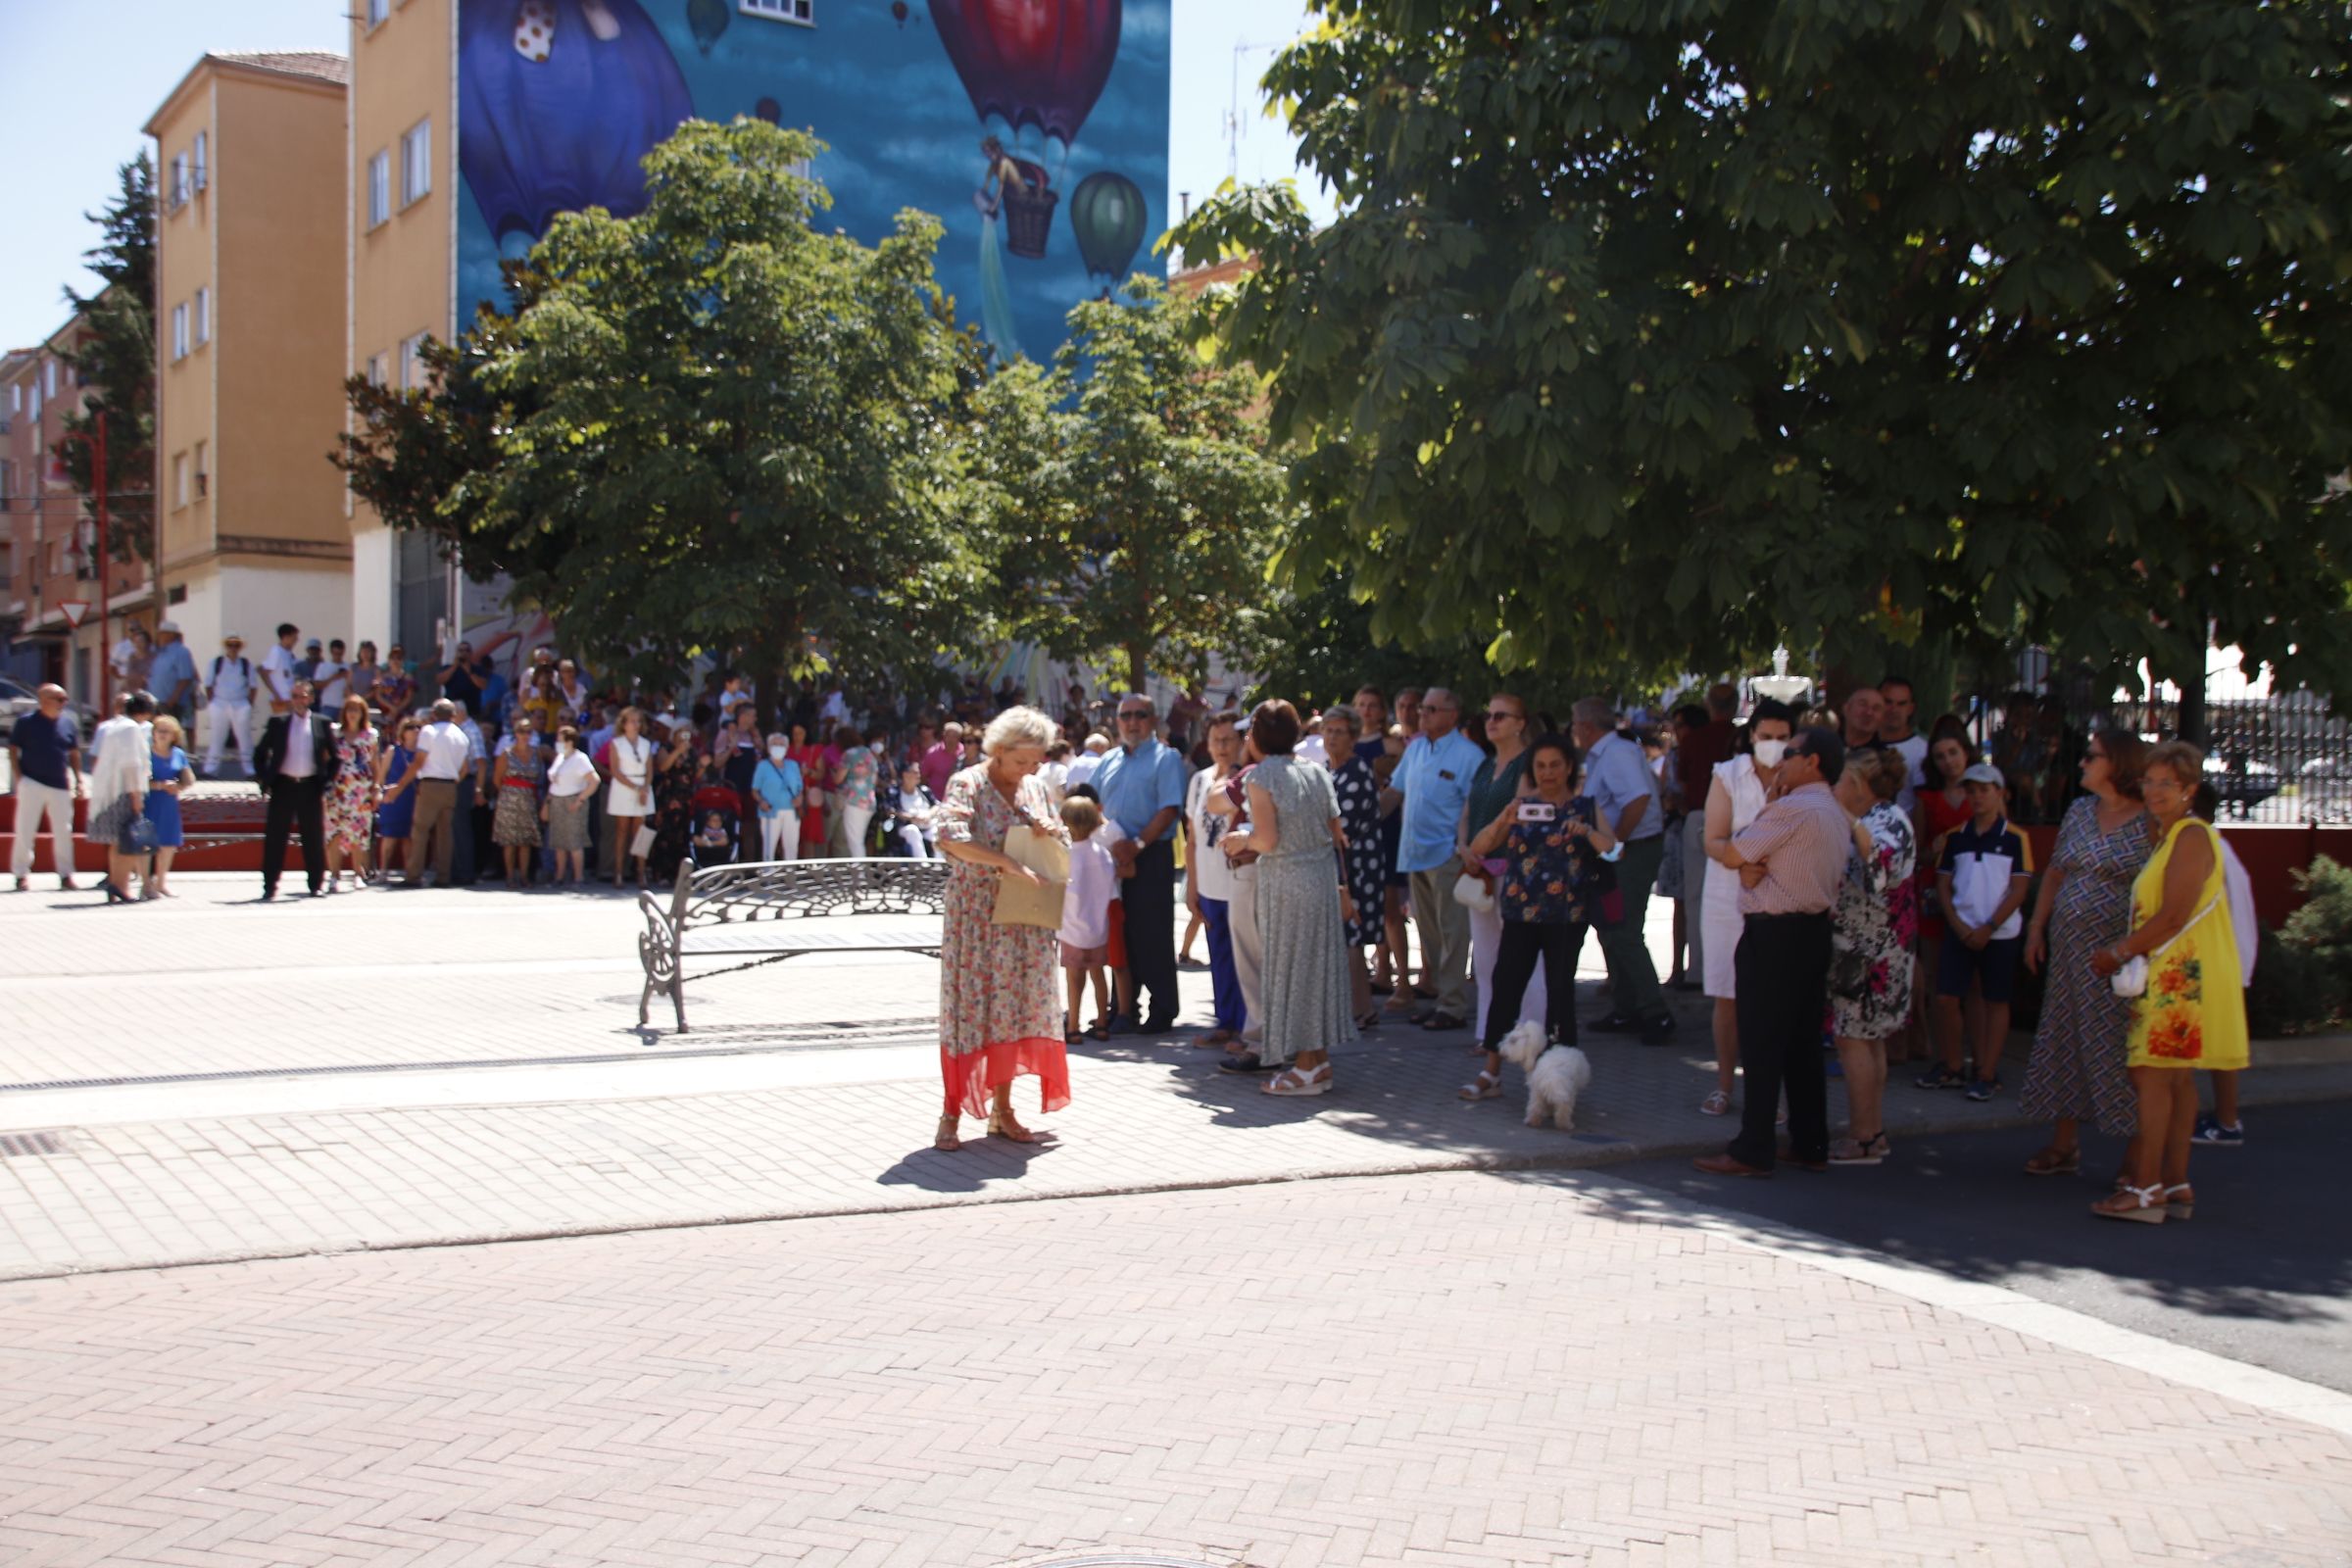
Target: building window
<point>49,378</point>
<point>179,479</point>
<point>8,481</point>
<point>411,364</point>
<point>204,316</point>
<point>380,188</point>
<point>802,12</point>
<point>15,398</point>
<point>180,331</point>
<point>176,189</point>
<point>203,474</point>
<point>377,11</point>
<point>33,410</point>
<point>416,163</point>
<point>376,370</point>
<point>199,164</point>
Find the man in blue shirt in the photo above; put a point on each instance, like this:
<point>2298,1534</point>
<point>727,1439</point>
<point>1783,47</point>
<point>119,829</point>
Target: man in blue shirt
<point>1617,776</point>
<point>1142,785</point>
<point>44,773</point>
<point>1434,779</point>
<point>173,676</point>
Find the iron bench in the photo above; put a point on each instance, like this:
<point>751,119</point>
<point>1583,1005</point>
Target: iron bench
<point>714,913</point>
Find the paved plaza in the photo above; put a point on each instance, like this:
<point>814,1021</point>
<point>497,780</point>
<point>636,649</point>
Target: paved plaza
<point>739,1311</point>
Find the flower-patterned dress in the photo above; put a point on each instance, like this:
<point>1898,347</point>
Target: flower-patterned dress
<point>1000,1010</point>
<point>351,792</point>
<point>2193,1014</point>
<point>1551,872</point>
<point>2077,1067</point>
<point>1873,928</point>
<point>1360,818</point>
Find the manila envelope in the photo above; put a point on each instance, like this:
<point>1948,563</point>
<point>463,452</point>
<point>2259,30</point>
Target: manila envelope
<point>1020,903</point>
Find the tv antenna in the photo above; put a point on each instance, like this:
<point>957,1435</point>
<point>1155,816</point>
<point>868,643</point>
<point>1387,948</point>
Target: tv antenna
<point>1233,110</point>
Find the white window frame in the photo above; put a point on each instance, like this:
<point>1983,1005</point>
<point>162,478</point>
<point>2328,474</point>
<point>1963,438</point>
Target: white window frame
<point>203,478</point>
<point>180,331</point>
<point>49,378</point>
<point>175,187</point>
<point>179,481</point>
<point>200,163</point>
<point>379,187</point>
<point>799,13</point>
<point>379,12</point>
<point>33,410</point>
<point>416,162</point>
<point>16,398</point>
<point>204,316</point>
<point>376,375</point>
<point>412,362</point>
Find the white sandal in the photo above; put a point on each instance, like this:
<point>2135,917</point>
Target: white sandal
<point>1486,1086</point>
<point>2182,1208</point>
<point>1717,1103</point>
<point>1291,1082</point>
<point>2143,1206</point>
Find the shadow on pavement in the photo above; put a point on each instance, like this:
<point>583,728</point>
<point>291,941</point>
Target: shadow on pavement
<point>981,1162</point>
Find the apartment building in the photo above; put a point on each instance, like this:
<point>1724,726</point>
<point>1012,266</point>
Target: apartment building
<point>250,332</point>
<point>49,541</point>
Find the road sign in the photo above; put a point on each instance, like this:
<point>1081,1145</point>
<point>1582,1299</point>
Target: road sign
<point>73,610</point>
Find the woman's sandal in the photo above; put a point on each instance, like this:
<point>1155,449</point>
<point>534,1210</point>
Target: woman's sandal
<point>2143,1206</point>
<point>2055,1161</point>
<point>2183,1207</point>
<point>947,1139</point>
<point>1217,1040</point>
<point>1002,1125</point>
<point>1717,1103</point>
<point>1294,1081</point>
<point>1486,1086</point>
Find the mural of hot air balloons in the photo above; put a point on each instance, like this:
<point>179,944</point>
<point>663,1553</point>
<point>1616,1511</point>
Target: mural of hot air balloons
<point>559,101</point>
<point>897,12</point>
<point>707,20</point>
<point>1037,66</point>
<point>1107,215</point>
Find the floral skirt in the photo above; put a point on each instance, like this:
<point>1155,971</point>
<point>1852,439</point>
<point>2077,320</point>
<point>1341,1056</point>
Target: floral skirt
<point>515,824</point>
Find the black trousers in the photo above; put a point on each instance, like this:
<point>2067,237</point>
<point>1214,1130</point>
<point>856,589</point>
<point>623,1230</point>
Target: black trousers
<point>466,856</point>
<point>1523,943</point>
<point>1782,973</point>
<point>299,804</point>
<point>1150,897</point>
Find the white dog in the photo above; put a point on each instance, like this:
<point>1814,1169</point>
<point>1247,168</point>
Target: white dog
<point>1555,1075</point>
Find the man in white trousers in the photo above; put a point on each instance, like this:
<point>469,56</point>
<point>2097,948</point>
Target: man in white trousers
<point>229,703</point>
<point>45,772</point>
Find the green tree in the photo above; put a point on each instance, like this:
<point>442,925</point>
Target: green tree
<point>116,366</point>
<point>1663,330</point>
<point>709,429</point>
<point>1133,496</point>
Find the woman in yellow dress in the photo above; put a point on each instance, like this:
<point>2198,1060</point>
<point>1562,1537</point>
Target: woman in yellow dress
<point>2193,1013</point>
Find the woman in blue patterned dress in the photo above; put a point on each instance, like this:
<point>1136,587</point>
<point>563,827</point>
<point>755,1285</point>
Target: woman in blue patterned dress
<point>1552,841</point>
<point>2077,1070</point>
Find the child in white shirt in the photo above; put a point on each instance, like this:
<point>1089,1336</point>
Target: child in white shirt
<point>1086,902</point>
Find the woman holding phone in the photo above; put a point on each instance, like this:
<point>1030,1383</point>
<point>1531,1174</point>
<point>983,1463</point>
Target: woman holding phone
<point>1551,841</point>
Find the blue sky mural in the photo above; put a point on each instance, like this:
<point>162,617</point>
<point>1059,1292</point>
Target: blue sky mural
<point>557,99</point>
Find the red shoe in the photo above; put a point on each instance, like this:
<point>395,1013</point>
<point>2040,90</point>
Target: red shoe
<point>1726,1166</point>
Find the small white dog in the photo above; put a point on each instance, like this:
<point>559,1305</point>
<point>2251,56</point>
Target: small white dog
<point>1555,1075</point>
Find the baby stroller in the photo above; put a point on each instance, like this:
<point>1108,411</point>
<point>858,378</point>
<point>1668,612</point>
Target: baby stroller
<point>718,813</point>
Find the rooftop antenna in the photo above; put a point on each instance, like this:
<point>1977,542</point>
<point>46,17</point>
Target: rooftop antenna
<point>1233,110</point>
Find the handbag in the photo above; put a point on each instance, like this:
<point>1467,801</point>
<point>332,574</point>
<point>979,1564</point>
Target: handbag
<point>641,844</point>
<point>142,834</point>
<point>2130,982</point>
<point>1472,893</point>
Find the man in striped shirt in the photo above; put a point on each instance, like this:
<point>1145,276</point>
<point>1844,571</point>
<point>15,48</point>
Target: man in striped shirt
<point>1791,861</point>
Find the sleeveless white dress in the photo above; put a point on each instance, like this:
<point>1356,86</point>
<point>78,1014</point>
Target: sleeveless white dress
<point>1719,906</point>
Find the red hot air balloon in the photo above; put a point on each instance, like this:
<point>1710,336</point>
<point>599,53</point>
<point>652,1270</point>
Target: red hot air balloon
<point>1038,63</point>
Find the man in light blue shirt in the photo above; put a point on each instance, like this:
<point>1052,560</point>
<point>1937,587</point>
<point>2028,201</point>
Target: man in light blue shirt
<point>171,677</point>
<point>1141,784</point>
<point>1434,778</point>
<point>1617,776</point>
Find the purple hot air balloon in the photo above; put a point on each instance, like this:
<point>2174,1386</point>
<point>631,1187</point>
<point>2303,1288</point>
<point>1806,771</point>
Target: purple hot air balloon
<point>559,101</point>
<point>1038,63</point>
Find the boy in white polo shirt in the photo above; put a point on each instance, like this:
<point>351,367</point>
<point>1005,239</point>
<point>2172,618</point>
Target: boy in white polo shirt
<point>1981,882</point>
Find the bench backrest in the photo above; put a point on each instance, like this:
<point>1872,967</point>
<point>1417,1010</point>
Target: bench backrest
<point>802,888</point>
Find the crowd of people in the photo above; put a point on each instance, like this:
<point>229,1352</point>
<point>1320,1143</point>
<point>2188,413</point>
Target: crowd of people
<point>1845,888</point>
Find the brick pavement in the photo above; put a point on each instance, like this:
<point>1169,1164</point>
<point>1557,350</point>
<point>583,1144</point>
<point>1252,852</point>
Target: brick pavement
<point>148,1191</point>
<point>1441,1370</point>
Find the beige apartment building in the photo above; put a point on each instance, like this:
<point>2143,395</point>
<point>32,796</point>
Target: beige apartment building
<point>250,345</point>
<point>402,236</point>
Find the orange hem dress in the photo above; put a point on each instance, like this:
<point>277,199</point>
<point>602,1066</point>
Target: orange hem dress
<point>2193,1014</point>
<point>1000,1002</point>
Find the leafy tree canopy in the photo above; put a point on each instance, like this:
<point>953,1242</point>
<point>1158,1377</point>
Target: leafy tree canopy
<point>708,428</point>
<point>1136,504</point>
<point>1659,331</point>
<point>116,365</point>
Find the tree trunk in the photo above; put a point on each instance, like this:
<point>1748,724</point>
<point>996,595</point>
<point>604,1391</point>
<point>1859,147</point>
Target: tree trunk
<point>2192,724</point>
<point>1139,658</point>
<point>767,664</point>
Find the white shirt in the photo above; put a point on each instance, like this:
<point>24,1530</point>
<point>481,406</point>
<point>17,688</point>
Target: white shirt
<point>571,773</point>
<point>277,668</point>
<point>331,681</point>
<point>836,710</point>
<point>1204,862</point>
<point>445,750</point>
<point>1311,750</point>
<point>1914,750</point>
<point>1086,899</point>
<point>2244,927</point>
<point>233,685</point>
<point>1082,768</point>
<point>300,762</point>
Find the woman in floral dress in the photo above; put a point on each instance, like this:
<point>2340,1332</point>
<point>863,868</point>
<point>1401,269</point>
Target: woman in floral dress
<point>1871,935</point>
<point>1360,818</point>
<point>2076,1072</point>
<point>514,821</point>
<point>351,795</point>
<point>999,1016</point>
<point>2192,1013</point>
<point>675,771</point>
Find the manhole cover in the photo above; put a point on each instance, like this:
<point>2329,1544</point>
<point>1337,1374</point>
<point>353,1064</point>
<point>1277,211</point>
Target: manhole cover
<point>1122,1559</point>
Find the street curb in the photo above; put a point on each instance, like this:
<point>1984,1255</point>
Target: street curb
<point>1583,1156</point>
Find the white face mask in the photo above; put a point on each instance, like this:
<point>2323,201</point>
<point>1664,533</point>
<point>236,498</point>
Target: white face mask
<point>1770,752</point>
<point>564,747</point>
<point>776,753</point>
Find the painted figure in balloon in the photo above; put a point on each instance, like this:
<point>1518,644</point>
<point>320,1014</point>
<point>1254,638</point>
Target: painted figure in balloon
<point>561,101</point>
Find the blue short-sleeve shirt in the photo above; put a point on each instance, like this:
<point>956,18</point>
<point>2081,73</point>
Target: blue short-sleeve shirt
<point>1138,784</point>
<point>1434,777</point>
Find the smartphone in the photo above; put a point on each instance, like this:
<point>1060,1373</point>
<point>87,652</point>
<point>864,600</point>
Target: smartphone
<point>1537,811</point>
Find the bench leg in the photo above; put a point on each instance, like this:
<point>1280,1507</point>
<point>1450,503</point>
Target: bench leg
<point>677,996</point>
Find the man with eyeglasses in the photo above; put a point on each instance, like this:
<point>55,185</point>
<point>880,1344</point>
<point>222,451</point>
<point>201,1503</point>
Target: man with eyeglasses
<point>1141,784</point>
<point>1617,776</point>
<point>1434,779</point>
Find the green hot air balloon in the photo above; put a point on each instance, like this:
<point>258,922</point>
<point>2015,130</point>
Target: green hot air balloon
<point>707,20</point>
<point>1108,213</point>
